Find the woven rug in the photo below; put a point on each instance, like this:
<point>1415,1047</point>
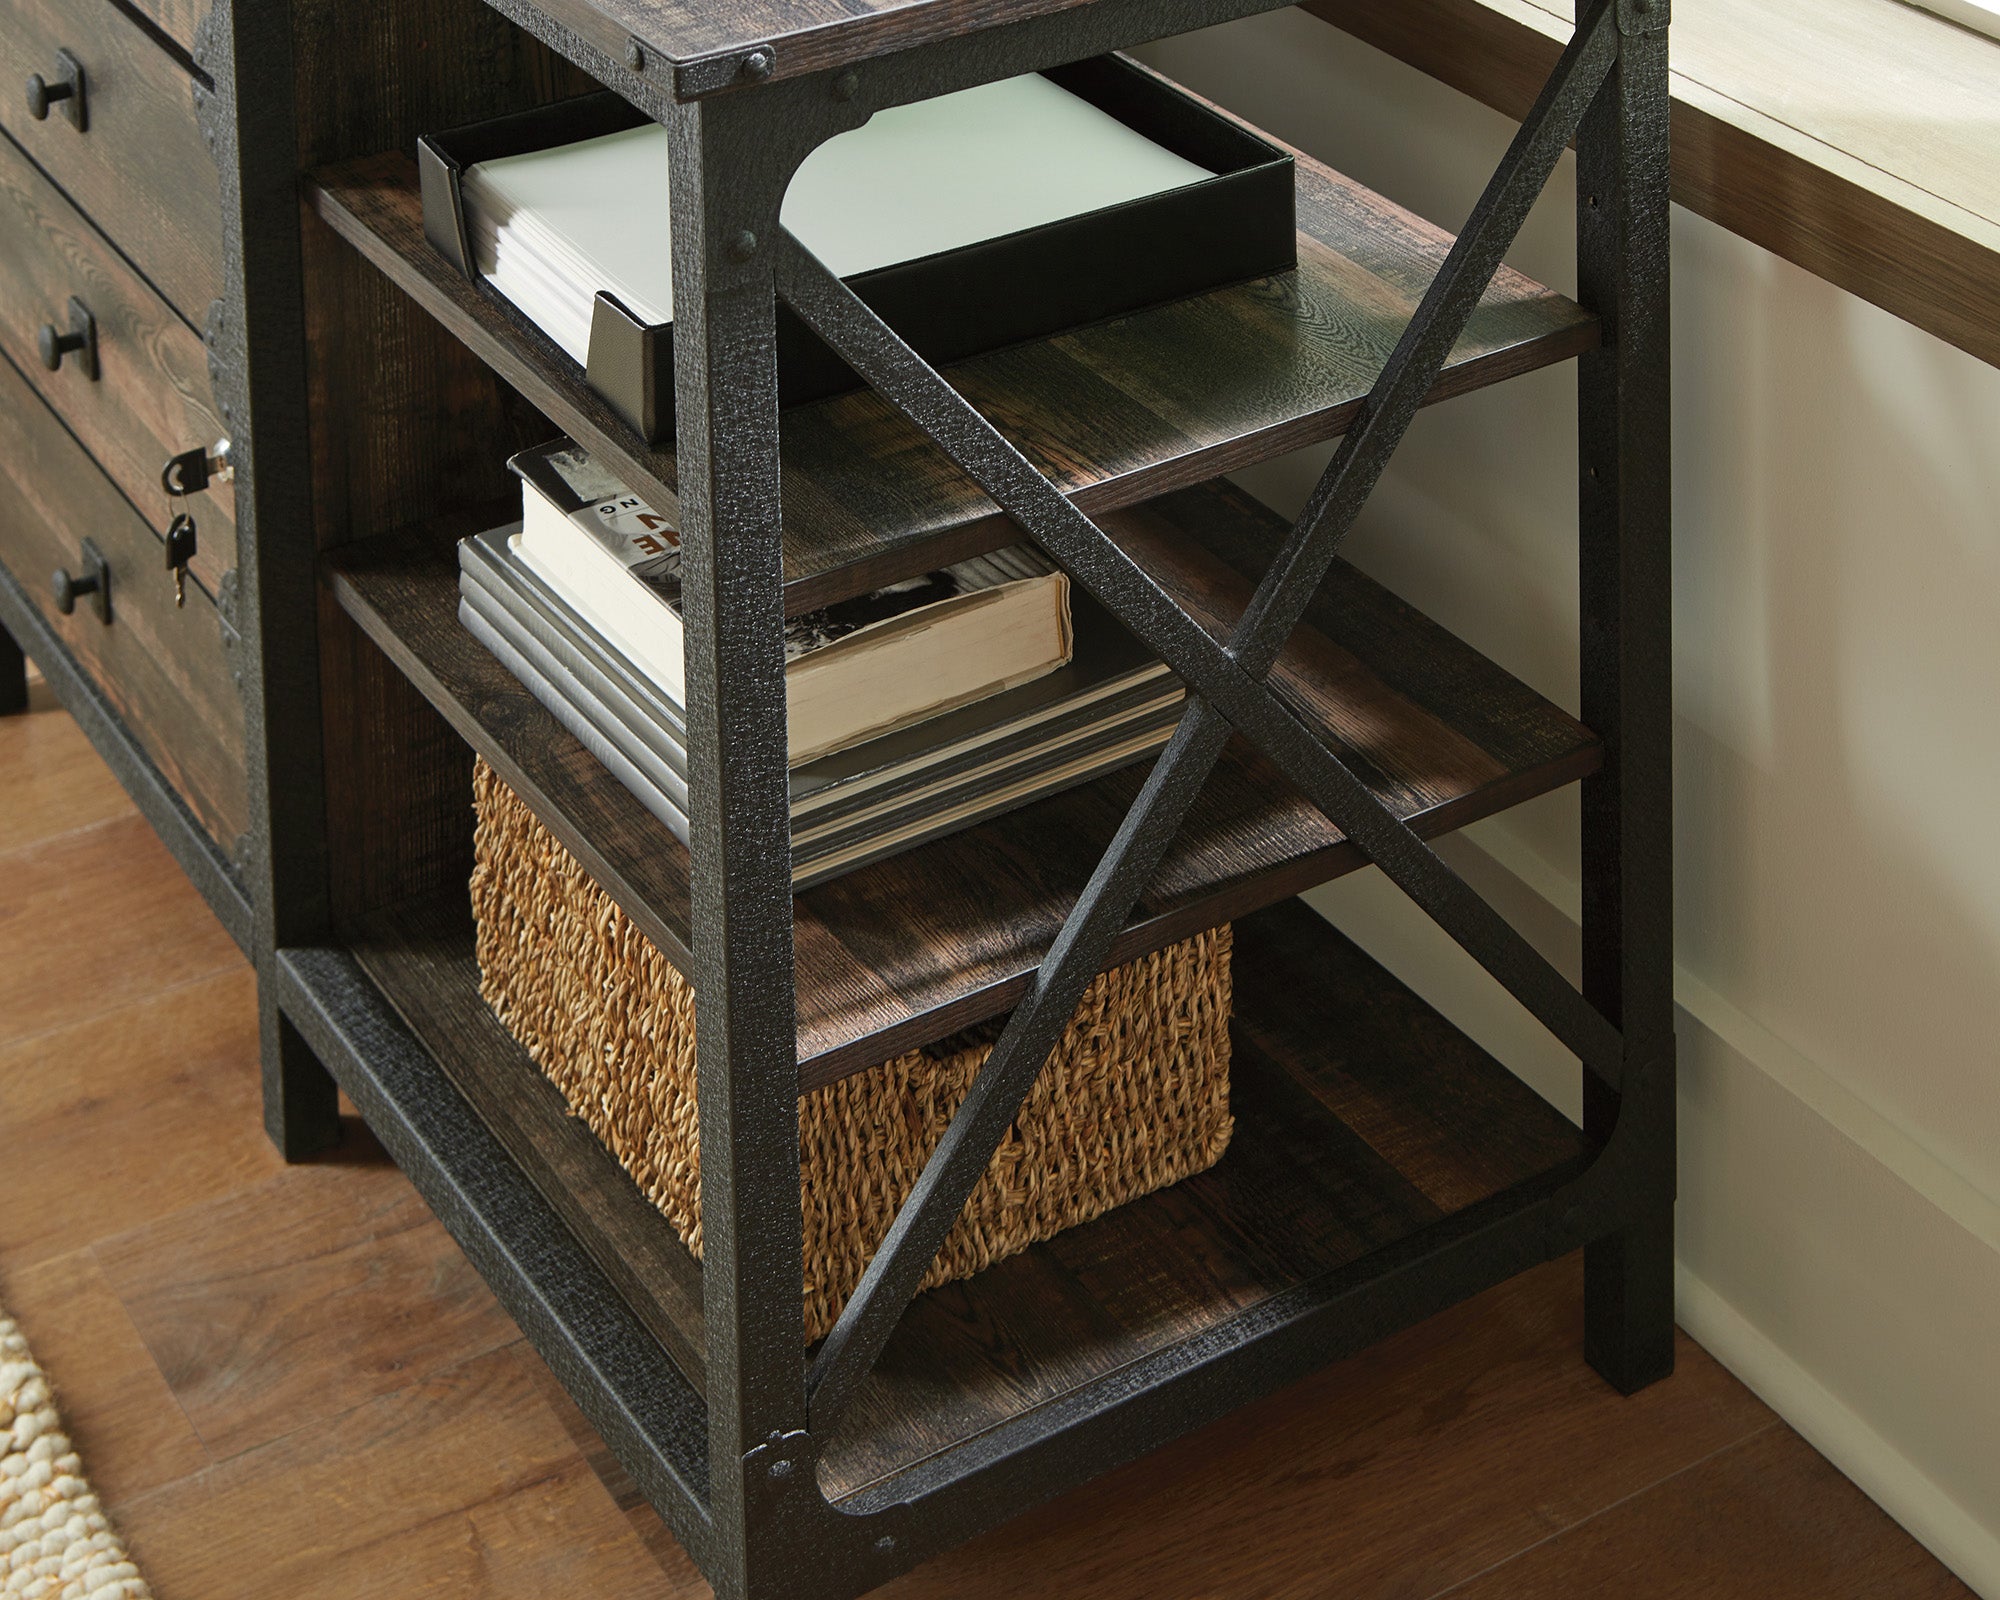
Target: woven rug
<point>55,1541</point>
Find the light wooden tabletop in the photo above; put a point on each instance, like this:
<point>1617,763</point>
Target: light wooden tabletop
<point>1859,139</point>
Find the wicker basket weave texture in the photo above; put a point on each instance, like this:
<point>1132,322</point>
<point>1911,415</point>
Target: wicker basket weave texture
<point>1135,1097</point>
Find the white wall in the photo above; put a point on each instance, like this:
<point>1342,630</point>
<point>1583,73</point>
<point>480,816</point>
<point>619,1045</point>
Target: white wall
<point>1838,672</point>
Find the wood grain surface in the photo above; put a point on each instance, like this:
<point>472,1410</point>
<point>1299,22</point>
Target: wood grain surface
<point>66,1091</point>
<point>1475,1448</point>
<point>460,1484</point>
<point>917,946</point>
<point>1766,1517</point>
<point>166,668</point>
<point>211,1292</point>
<point>151,399</point>
<point>141,169</point>
<point>177,19</point>
<point>801,35</point>
<point>141,939</point>
<point>1114,413</point>
<point>117,1407</point>
<point>1859,139</point>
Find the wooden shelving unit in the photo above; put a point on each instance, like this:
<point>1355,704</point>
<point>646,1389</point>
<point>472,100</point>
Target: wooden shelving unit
<point>1383,1166</point>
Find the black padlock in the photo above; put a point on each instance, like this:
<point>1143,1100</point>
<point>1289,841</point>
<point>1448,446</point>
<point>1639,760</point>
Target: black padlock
<point>194,470</point>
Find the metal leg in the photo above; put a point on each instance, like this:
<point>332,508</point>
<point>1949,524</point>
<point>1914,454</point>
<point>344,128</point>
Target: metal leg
<point>729,172</point>
<point>301,1103</point>
<point>13,675</point>
<point>1627,671</point>
<point>1628,1304</point>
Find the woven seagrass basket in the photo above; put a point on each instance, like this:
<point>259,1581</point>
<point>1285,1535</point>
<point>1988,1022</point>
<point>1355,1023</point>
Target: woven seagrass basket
<point>1135,1097</point>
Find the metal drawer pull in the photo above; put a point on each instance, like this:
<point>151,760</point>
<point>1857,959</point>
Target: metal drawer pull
<point>66,93</point>
<point>194,470</point>
<point>81,340</point>
<point>94,581</point>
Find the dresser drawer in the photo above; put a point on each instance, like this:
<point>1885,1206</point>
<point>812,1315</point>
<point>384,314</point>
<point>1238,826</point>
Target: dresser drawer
<point>150,398</point>
<point>139,165</point>
<point>167,670</point>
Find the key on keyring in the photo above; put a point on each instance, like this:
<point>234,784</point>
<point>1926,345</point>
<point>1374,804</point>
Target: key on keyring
<point>180,551</point>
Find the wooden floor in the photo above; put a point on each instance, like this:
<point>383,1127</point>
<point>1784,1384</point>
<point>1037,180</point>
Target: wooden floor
<point>288,1383</point>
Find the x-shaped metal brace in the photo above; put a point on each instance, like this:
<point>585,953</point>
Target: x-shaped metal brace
<point>1228,691</point>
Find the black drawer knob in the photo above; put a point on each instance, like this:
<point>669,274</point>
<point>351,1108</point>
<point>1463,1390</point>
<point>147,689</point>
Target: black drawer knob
<point>94,581</point>
<point>42,94</point>
<point>56,345</point>
<point>66,92</point>
<point>67,588</point>
<point>80,341</point>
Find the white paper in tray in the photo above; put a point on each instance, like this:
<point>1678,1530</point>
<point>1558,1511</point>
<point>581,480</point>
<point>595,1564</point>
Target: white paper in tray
<point>916,180</point>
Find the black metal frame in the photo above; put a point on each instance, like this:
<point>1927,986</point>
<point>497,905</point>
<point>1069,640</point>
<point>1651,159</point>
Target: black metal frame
<point>733,1470</point>
<point>257,365</point>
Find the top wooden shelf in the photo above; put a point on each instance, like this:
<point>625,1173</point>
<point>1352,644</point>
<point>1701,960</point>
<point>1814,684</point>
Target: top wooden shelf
<point>1115,414</point>
<point>698,46</point>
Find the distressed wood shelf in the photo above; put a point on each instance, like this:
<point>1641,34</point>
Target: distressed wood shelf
<point>1363,1120</point>
<point>915,947</point>
<point>1114,414</point>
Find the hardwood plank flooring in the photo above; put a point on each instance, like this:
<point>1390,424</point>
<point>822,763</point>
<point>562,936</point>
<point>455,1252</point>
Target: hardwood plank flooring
<point>1402,1472</point>
<point>158,1081</point>
<point>94,917</point>
<point>460,1484</point>
<point>117,1408</point>
<point>1768,1516</point>
<point>282,1305</point>
<point>48,791</point>
<point>286,1382</point>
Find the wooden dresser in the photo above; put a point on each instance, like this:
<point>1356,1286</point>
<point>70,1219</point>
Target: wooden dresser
<point>111,271</point>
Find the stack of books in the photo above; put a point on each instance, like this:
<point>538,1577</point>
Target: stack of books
<point>916,710</point>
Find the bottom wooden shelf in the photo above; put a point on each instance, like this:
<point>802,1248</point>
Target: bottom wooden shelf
<point>1363,1119</point>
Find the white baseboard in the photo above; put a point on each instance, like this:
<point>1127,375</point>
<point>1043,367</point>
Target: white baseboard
<point>1977,1212</point>
<point>1838,1432</point>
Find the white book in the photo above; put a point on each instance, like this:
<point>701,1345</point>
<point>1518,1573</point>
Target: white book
<point>853,670</point>
<point>552,227</point>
